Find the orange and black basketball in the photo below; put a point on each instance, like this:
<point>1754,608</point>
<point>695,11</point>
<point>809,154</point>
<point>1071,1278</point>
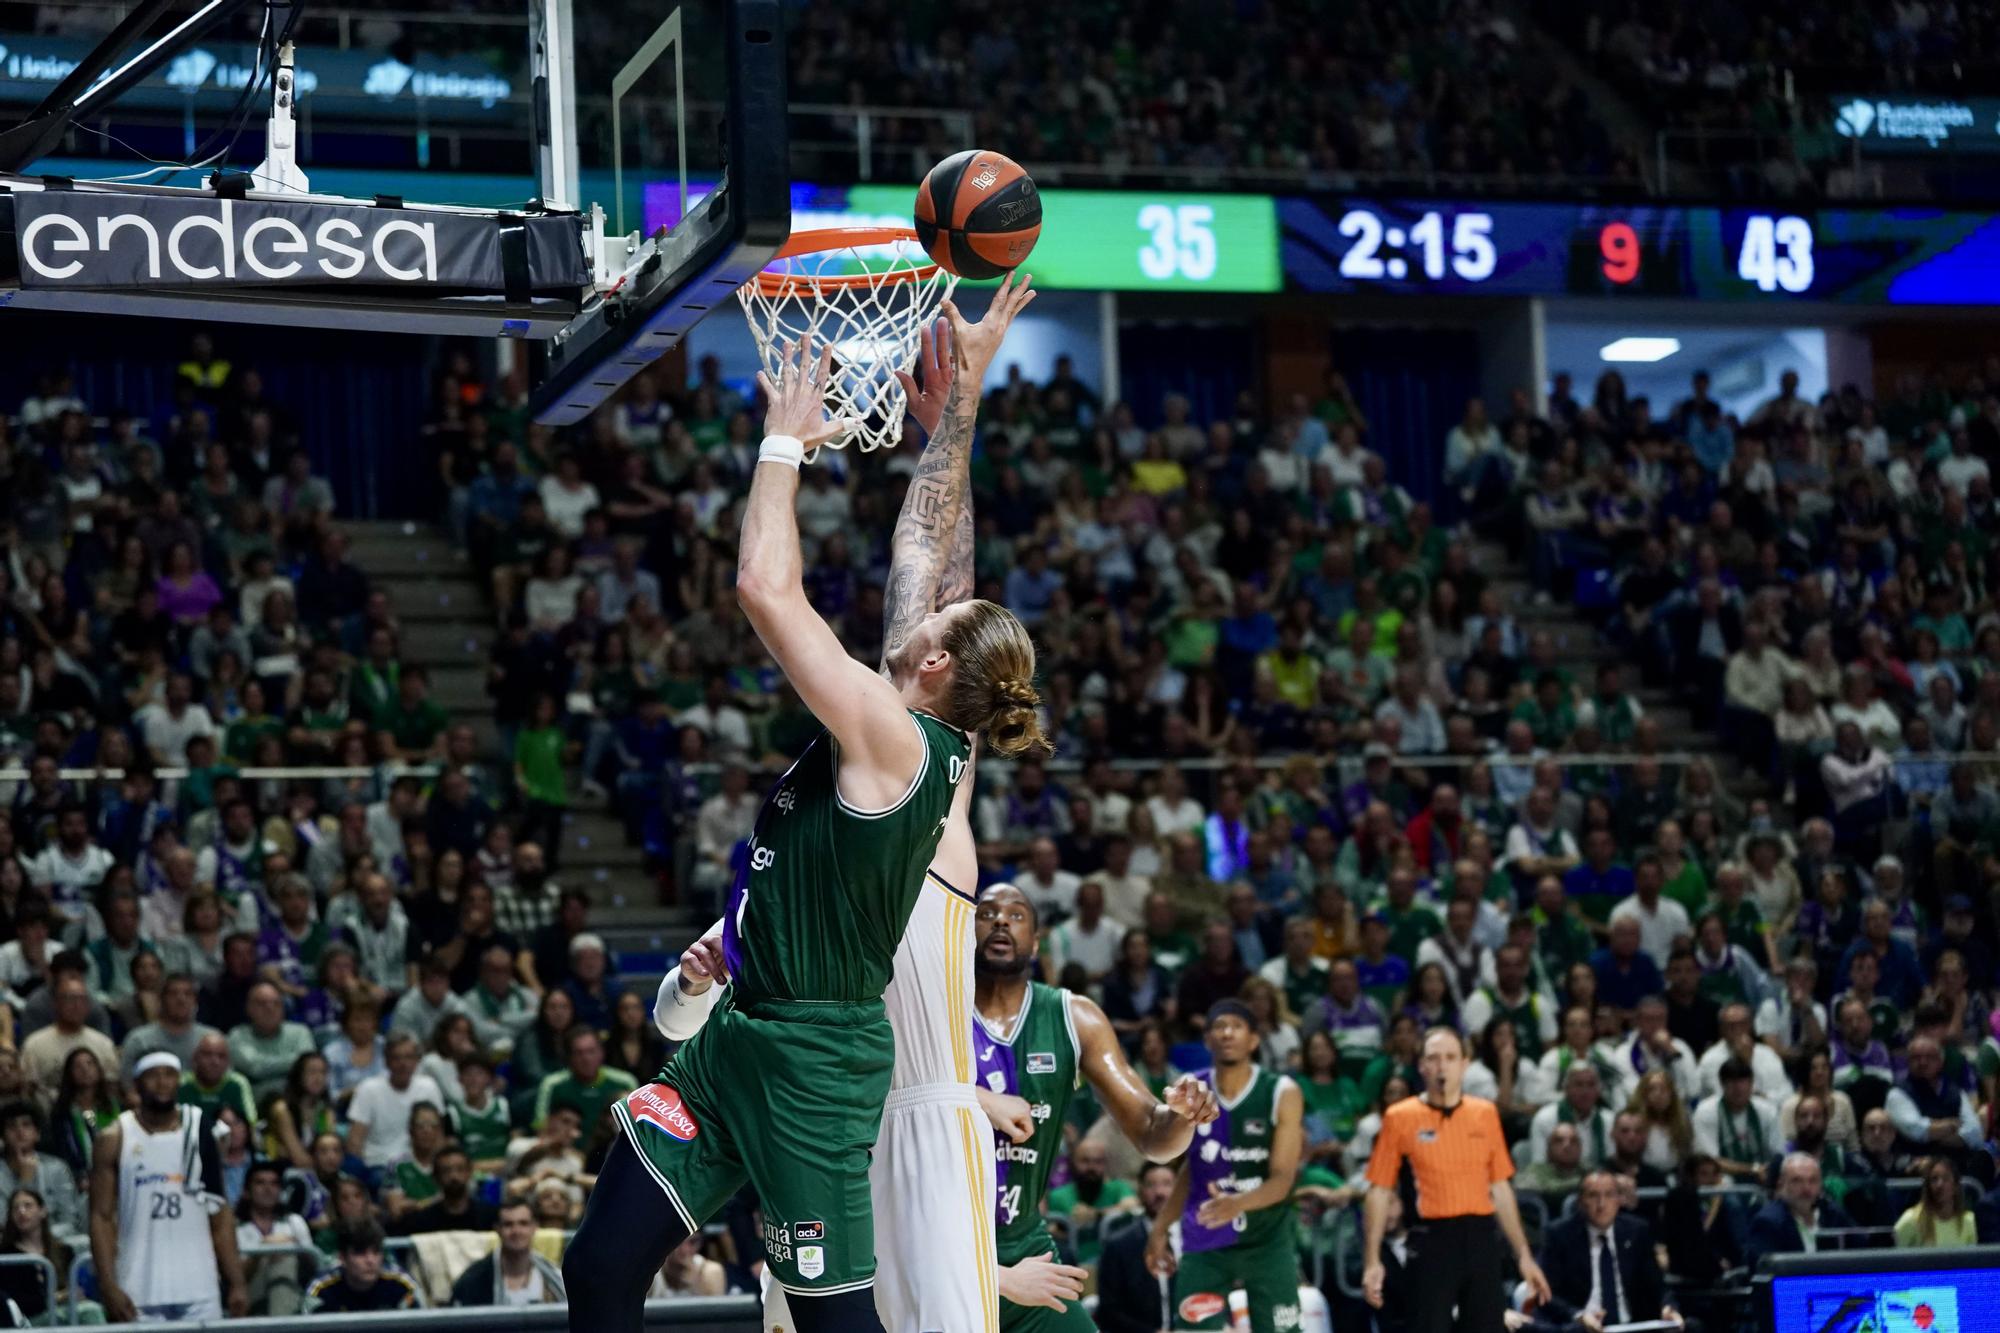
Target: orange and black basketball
<point>978,214</point>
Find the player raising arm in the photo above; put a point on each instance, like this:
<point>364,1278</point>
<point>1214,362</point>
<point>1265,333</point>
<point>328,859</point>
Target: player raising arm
<point>784,1085</point>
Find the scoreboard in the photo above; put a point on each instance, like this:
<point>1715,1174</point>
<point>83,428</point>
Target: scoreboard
<point>1906,256</point>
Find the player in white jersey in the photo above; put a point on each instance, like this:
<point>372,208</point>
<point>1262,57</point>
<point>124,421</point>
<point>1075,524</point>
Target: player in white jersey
<point>160,1224</point>
<point>932,1169</point>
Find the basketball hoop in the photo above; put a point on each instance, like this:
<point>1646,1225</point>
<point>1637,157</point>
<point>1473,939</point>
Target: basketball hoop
<point>868,291</point>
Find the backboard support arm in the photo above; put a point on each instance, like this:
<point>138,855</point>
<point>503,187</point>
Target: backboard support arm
<point>552,65</point>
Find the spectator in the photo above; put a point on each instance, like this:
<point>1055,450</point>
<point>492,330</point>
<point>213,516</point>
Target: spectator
<point>266,1046</point>
<point>26,1167</point>
<point>1581,1106</point>
<point>362,1283</point>
<point>1939,1217</point>
<point>264,1224</point>
<point>513,1273</point>
<point>378,1118</point>
<point>43,1053</point>
<point>211,1086</point>
<point>1735,1126</point>
<point>586,1083</point>
<point>1791,1221</point>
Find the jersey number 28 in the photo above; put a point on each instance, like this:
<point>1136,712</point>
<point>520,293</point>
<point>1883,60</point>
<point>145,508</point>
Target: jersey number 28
<point>166,1206</point>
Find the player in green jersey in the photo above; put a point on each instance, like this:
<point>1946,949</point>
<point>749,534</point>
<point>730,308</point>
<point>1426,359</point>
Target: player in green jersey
<point>1233,1198</point>
<point>1035,1044</point>
<point>784,1086</point>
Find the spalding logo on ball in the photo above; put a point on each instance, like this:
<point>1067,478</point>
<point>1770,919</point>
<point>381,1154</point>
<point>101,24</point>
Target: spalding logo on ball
<point>978,214</point>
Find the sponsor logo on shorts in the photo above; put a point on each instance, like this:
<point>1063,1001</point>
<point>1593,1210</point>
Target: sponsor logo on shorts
<point>1202,1305</point>
<point>812,1261</point>
<point>1287,1316</point>
<point>808,1231</point>
<point>660,1106</point>
<point>1041,1062</point>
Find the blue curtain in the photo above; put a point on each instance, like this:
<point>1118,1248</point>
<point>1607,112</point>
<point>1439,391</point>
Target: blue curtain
<point>1208,364</point>
<point>1412,384</point>
<point>359,399</point>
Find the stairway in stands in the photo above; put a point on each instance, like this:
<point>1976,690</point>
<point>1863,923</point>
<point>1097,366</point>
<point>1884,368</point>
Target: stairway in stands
<point>448,629</point>
<point>1581,649</point>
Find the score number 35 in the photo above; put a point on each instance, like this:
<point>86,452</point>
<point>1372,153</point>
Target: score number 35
<point>1777,253</point>
<point>1182,244</point>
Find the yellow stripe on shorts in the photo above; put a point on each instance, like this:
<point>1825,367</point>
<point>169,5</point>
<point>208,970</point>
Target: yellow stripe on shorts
<point>982,1213</point>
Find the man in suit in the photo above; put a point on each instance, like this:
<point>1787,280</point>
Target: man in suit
<point>1600,1263</point>
<point>1791,1222</point>
<point>1129,1298</point>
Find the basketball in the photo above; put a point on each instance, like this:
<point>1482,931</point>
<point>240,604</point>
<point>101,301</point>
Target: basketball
<point>978,214</point>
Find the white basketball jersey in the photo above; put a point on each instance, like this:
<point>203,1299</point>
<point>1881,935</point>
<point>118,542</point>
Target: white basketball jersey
<point>168,1186</point>
<point>929,1000</point>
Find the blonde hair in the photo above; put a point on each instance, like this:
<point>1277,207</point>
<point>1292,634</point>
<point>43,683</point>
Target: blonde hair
<point>1680,1129</point>
<point>992,689</point>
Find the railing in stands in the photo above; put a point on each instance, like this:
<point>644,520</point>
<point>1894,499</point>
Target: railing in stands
<point>48,1268</point>
<point>1057,765</point>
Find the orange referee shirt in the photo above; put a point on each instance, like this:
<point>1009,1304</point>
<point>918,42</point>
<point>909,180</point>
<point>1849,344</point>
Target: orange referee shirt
<point>1455,1158</point>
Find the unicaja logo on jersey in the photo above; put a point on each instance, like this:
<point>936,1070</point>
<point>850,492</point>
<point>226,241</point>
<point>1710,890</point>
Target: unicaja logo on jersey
<point>660,1106</point>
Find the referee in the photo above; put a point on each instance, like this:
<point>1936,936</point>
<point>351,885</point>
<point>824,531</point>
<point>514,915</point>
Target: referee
<point>1458,1154</point>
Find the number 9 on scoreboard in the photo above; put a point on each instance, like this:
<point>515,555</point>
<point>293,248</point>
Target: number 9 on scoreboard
<point>1776,253</point>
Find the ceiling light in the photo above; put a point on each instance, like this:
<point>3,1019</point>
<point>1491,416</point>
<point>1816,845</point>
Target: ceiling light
<point>1639,349</point>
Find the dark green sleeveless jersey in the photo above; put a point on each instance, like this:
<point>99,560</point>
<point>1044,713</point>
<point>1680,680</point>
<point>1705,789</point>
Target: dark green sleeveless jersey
<point>1232,1155</point>
<point>1038,1064</point>
<point>824,890</point>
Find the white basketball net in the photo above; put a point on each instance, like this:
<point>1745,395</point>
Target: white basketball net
<point>874,326</point>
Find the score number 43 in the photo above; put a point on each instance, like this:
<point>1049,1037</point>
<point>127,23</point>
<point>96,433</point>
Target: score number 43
<point>1777,253</point>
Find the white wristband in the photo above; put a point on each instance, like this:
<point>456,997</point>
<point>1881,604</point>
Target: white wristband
<point>784,449</point>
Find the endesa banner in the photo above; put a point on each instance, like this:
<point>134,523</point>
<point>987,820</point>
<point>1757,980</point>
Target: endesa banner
<point>359,84</point>
<point>127,240</point>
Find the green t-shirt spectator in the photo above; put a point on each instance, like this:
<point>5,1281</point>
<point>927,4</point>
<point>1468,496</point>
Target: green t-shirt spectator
<point>1409,928</point>
<point>1331,1108</point>
<point>240,740</point>
<point>233,1092</point>
<point>1563,943</point>
<point>414,728</point>
<point>415,1181</point>
<point>1380,1069</point>
<point>538,752</point>
<point>591,1100</point>
<point>483,1133</point>
<point>1744,924</point>
<point>1689,888</point>
<point>1062,1201</point>
<point>1190,641</point>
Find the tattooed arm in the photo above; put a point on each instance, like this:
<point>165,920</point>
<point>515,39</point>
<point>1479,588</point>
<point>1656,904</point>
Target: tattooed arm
<point>931,552</point>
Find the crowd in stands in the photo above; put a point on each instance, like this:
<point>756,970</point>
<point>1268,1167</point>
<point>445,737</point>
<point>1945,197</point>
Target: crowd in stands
<point>1397,90</point>
<point>395,1016</point>
<point>1372,792</point>
<point>1764,89</point>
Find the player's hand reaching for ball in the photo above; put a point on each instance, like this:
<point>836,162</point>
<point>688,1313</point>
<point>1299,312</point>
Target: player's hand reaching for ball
<point>702,965</point>
<point>1010,1115</point>
<point>1040,1280</point>
<point>1191,1099</point>
<point>977,344</point>
<point>796,398</point>
<point>937,370</point>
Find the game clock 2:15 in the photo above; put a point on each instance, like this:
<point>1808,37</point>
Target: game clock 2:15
<point>1437,245</point>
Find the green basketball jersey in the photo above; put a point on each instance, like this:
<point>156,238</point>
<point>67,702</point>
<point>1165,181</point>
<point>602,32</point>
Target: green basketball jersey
<point>824,890</point>
<point>1232,1155</point>
<point>1039,1064</point>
